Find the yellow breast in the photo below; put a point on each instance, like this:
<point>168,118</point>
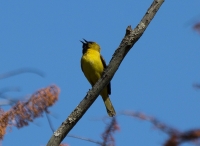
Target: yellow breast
<point>92,66</point>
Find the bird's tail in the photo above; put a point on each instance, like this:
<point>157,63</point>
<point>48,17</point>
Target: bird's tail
<point>109,107</point>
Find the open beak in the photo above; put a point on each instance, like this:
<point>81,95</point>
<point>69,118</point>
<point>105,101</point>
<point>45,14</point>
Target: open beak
<point>84,42</point>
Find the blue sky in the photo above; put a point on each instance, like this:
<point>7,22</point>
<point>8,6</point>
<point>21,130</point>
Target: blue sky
<point>155,78</point>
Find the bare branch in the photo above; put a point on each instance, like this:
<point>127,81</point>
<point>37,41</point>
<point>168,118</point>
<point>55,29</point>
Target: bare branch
<point>165,128</point>
<point>131,37</point>
<point>187,136</point>
<point>176,137</point>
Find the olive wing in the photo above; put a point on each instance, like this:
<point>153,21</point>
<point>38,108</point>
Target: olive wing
<point>104,65</point>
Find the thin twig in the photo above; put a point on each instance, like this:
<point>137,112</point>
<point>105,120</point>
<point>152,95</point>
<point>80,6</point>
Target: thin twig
<point>20,71</point>
<point>11,101</point>
<point>49,121</point>
<point>70,135</point>
<point>176,137</point>
<point>84,138</point>
<point>165,128</point>
<point>9,89</point>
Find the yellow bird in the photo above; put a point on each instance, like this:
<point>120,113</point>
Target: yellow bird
<point>93,65</point>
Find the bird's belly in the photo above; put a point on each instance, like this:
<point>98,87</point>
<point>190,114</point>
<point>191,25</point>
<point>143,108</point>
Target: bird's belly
<point>92,68</point>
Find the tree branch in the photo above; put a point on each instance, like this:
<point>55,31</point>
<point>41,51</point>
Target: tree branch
<point>131,37</point>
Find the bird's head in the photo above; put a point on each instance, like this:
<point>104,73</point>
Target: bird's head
<point>90,45</point>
